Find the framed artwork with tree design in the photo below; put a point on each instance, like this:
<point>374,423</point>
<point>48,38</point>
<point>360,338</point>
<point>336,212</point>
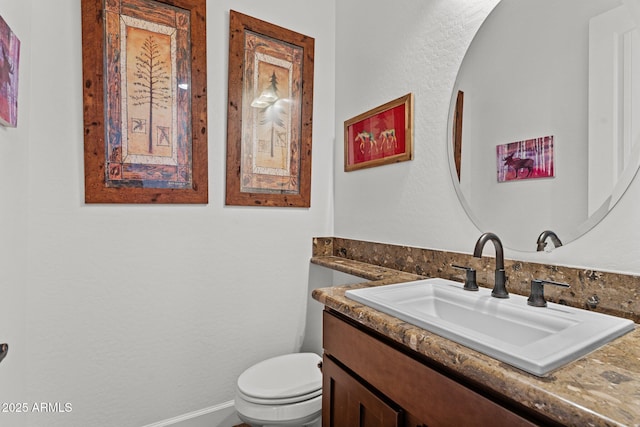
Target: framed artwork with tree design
<point>269,114</point>
<point>145,104</point>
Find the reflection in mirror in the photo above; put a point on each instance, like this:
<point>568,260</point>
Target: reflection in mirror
<point>542,243</point>
<point>560,73</point>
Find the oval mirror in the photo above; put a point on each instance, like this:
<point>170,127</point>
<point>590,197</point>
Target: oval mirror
<point>545,117</point>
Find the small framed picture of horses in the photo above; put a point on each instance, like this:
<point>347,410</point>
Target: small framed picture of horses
<point>528,159</point>
<point>380,136</point>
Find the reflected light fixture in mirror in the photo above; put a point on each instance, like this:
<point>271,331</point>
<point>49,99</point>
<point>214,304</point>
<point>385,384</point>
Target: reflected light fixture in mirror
<point>540,68</point>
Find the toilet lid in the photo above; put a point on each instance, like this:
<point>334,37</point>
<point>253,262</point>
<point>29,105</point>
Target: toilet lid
<point>282,377</point>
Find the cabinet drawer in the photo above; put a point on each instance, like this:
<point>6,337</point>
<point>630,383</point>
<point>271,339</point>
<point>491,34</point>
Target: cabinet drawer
<point>421,391</point>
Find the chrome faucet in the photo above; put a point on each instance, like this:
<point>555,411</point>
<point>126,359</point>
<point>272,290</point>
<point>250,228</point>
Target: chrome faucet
<point>543,237</point>
<point>499,288</point>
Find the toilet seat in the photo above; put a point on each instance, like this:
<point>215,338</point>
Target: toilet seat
<point>282,401</point>
<point>292,376</point>
<point>284,390</point>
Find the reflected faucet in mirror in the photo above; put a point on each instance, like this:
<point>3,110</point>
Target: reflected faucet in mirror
<point>499,287</point>
<point>4,349</point>
<point>542,243</point>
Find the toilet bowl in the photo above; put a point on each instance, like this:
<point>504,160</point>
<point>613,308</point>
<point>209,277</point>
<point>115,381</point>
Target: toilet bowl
<point>281,391</point>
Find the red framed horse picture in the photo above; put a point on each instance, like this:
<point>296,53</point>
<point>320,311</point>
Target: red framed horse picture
<point>380,136</point>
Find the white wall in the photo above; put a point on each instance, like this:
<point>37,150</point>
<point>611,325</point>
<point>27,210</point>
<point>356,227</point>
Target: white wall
<point>414,47</point>
<point>136,314</point>
<point>410,46</point>
<point>14,169</point>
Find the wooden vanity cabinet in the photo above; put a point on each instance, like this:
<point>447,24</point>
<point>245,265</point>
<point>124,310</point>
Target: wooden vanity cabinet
<point>370,383</point>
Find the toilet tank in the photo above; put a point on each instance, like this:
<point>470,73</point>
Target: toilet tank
<point>320,277</point>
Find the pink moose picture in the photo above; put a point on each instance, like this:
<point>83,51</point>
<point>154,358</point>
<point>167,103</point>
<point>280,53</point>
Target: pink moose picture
<point>529,159</point>
<point>9,57</point>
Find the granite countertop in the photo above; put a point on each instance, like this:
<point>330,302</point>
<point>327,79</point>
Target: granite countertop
<point>600,389</point>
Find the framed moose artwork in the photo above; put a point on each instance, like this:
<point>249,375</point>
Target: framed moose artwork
<point>528,159</point>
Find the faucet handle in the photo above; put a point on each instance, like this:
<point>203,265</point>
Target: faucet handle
<point>470,280</point>
<point>536,298</point>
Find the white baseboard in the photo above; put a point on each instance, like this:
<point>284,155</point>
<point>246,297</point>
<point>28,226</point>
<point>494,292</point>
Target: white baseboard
<point>222,415</point>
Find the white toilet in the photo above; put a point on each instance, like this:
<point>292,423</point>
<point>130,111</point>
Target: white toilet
<point>281,391</point>
<point>287,390</point>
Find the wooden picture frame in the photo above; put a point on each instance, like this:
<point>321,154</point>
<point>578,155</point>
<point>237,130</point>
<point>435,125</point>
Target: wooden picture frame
<point>145,101</point>
<point>458,116</point>
<point>269,114</point>
<point>380,136</point>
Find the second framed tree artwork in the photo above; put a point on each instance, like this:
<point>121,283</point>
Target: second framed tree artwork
<point>269,114</point>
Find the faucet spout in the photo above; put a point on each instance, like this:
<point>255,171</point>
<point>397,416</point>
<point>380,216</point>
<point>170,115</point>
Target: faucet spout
<point>499,287</point>
<point>543,237</point>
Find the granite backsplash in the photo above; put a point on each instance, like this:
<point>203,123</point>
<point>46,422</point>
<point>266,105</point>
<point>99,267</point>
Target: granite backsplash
<point>617,294</point>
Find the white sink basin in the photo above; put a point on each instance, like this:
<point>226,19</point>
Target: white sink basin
<point>534,339</point>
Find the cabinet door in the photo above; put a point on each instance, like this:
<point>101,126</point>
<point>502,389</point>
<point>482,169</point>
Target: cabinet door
<point>348,403</point>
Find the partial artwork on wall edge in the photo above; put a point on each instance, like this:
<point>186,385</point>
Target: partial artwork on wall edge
<point>9,61</point>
